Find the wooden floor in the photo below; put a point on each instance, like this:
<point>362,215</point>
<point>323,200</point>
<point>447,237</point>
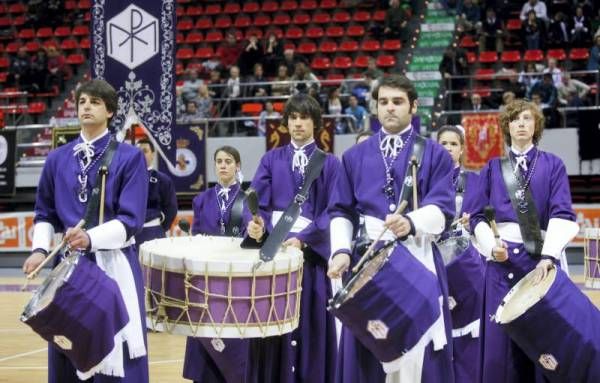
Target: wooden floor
<point>23,353</point>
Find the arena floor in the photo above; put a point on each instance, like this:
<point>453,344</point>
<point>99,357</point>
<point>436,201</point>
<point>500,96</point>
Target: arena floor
<point>23,353</point>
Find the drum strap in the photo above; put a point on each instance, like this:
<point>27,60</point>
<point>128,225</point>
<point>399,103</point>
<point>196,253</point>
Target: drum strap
<point>289,217</point>
<point>408,184</point>
<point>232,229</point>
<point>93,206</point>
<point>528,221</point>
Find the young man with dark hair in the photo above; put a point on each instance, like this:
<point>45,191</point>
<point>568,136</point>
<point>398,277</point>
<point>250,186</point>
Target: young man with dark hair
<point>69,176</point>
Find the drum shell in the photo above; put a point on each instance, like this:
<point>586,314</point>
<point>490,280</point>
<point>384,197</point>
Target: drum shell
<point>564,324</point>
<point>88,310</point>
<point>403,295</point>
<point>466,281</point>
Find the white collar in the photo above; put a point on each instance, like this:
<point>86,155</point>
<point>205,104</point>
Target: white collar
<point>296,147</point>
<point>516,152</point>
<point>94,139</point>
<point>409,127</point>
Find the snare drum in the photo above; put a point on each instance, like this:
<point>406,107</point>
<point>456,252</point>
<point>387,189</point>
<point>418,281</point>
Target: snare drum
<point>556,326</point>
<point>591,258</point>
<point>79,309</point>
<point>390,304</point>
<point>205,286</point>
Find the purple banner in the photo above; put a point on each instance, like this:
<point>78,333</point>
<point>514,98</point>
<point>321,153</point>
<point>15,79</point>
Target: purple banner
<point>189,171</point>
<point>133,48</point>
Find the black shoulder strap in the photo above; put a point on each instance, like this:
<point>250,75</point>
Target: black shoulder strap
<point>525,210</point>
<point>91,212</point>
<point>234,224</point>
<point>418,149</point>
<point>462,182</point>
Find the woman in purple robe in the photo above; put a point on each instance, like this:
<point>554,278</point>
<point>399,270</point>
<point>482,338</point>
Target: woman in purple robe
<point>218,211</point>
<point>463,263</point>
<point>544,175</point>
<point>308,353</point>
<point>65,188</point>
<point>161,209</point>
<point>368,190</point>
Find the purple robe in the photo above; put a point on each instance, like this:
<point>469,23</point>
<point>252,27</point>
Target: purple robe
<point>308,353</point>
<point>202,362</point>
<point>359,192</point>
<point>162,205</point>
<point>465,286</point>
<point>57,204</point>
<point>502,360</point>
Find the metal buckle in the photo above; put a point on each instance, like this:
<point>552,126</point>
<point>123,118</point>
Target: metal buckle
<point>299,199</point>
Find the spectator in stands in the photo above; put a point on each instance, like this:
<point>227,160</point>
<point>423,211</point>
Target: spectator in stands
<point>533,31</point>
<point>468,16</point>
<point>250,56</point>
<point>289,60</point>
<point>454,63</point>
<point>514,86</point>
<point>58,69</point>
<point>538,7</point>
<point>305,79</point>
<point>394,24</point>
<point>39,70</point>
<point>215,84</point>
<point>558,32</point>
<point>19,70</point>
<point>333,105</point>
<point>570,86</point>
<point>281,89</point>
<point>179,104</point>
<point>476,103</point>
<point>191,85</point>
<point>191,114</point>
<point>491,32</point>
<point>555,71</point>
<point>581,28</point>
<point>229,52</point>
<point>233,90</point>
<point>372,70</point>
<point>258,90</point>
<point>529,77</point>
<point>594,60</point>
<point>507,98</point>
<point>203,102</point>
<point>267,113</point>
<point>273,52</point>
<point>359,113</point>
<point>596,23</point>
<point>547,90</point>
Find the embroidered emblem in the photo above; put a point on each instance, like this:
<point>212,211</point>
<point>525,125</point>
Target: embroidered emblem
<point>451,302</point>
<point>548,361</point>
<point>378,329</point>
<point>63,342</point>
<point>218,344</point>
<point>408,181</point>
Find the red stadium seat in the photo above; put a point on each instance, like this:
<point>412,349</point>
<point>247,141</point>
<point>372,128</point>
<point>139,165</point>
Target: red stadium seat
<point>232,9</point>
<point>370,45</point>
<point>289,45</point>
<point>32,46</point>
<point>513,24</point>
<point>342,62</point>
<point>301,18</point>
<point>69,45</point>
<point>320,63</point>
<point>184,54</point>
<point>26,33</point>
<point>262,20</point>
<point>17,8</point>
<point>84,43</point>
<point>282,19</point>
<point>386,61</point>
<point>254,32</point>
<point>308,5</point>
<point>294,33</point>
<point>315,32</point>
<point>270,6</point>
<point>307,48</point>
<point>577,54</point>
<point>328,4</point>
<point>510,56</point>
<point>252,108</point>
<point>251,7</point>
<point>180,38</point>
<point>468,42</point>
<point>355,31</point>
<point>213,37</point>
<point>4,62</point>
<point>334,79</point>
<point>341,17</point>
<point>533,55</point>
<point>81,30</point>
<point>223,22</point>
<point>75,59</point>
<point>483,91</point>
<point>204,23</point>
<point>334,31</point>
<point>44,33</point>
<point>361,16</point>
<point>488,57</point>
<point>212,9</point>
<point>361,61</point>
<point>242,21</point>
<point>185,25</point>
<point>193,10</point>
<point>276,31</point>
<point>349,46</point>
<point>392,45</point>
<point>471,57</point>
<point>36,108</point>
<point>557,54</point>
<point>194,38</point>
<point>12,47</point>
<point>204,53</point>
<point>328,47</point>
<point>483,74</point>
<point>321,18</point>
<point>288,5</point>
<point>379,15</point>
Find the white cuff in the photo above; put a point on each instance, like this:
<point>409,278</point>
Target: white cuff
<point>108,236</point>
<point>428,219</point>
<point>558,235</point>
<point>42,236</point>
<point>340,233</point>
<point>485,239</point>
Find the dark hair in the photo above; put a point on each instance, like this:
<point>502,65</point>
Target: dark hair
<point>147,142</point>
<point>512,111</point>
<point>233,152</point>
<point>304,105</point>
<point>364,133</point>
<point>101,89</point>
<point>453,129</point>
<point>397,81</point>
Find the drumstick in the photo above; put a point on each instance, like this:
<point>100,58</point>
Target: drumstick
<point>103,174</point>
<point>414,164</point>
<point>490,215</point>
<point>252,203</point>
<point>371,248</point>
<point>55,251</point>
<point>184,225</point>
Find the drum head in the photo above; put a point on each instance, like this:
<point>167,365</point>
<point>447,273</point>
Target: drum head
<point>523,296</point>
<point>47,290</point>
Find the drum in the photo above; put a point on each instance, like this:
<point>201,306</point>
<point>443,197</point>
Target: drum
<point>205,286</point>
<point>79,309</point>
<point>591,258</point>
<point>389,304</point>
<point>556,326</point>
<point>452,247</point>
